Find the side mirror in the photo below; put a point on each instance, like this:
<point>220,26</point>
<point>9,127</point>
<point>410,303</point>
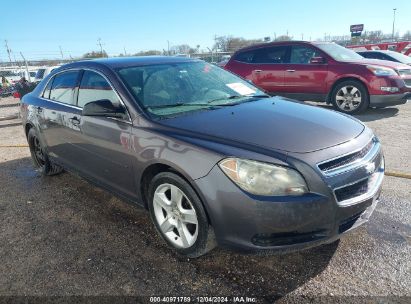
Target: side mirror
<point>103,108</point>
<point>317,60</point>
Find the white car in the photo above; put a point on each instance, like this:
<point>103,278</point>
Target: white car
<point>12,76</point>
<point>43,72</point>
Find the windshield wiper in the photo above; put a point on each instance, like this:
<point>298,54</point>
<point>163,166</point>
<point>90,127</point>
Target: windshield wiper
<point>225,98</point>
<point>259,96</point>
<point>238,96</point>
<point>178,104</point>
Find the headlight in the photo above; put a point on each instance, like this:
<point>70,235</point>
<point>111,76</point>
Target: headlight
<point>263,179</point>
<point>381,71</point>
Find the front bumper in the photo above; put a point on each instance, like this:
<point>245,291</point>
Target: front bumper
<point>286,223</point>
<point>380,101</point>
<point>247,222</point>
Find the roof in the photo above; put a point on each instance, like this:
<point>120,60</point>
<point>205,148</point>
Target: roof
<point>120,62</point>
<point>274,43</point>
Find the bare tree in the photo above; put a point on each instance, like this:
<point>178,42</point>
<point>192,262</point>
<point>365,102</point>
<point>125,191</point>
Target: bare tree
<point>407,35</point>
<point>283,38</point>
<point>95,54</point>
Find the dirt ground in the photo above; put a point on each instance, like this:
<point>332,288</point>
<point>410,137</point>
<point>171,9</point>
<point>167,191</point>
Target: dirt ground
<point>60,236</point>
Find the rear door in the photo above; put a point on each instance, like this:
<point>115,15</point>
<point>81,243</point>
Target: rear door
<point>301,76</point>
<point>269,64</point>
<point>59,118</point>
<point>104,152</point>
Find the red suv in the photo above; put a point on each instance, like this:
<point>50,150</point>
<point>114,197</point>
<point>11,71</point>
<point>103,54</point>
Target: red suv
<point>319,71</point>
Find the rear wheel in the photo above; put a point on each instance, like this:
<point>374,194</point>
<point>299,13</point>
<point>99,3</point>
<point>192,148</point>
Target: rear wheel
<point>39,156</point>
<point>350,97</point>
<point>179,216</point>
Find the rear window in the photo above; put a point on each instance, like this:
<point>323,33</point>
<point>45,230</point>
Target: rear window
<point>246,57</point>
<point>270,55</point>
<point>62,89</point>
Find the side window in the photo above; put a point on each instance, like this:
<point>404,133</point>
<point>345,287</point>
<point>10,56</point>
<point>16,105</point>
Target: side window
<point>387,57</point>
<point>246,57</point>
<point>271,55</point>
<point>94,87</point>
<point>302,55</point>
<point>62,89</point>
<point>46,92</point>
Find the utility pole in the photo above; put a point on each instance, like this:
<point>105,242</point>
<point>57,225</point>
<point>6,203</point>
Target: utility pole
<point>302,37</point>
<point>61,52</point>
<point>125,53</point>
<point>101,46</point>
<point>27,67</point>
<point>393,24</point>
<point>8,50</point>
<point>168,48</point>
<point>212,56</point>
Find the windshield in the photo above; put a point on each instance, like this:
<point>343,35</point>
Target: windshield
<point>173,88</point>
<point>339,53</point>
<point>400,57</point>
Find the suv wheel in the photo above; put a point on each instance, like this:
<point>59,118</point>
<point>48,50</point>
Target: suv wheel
<point>179,216</point>
<point>350,97</point>
<point>39,156</point>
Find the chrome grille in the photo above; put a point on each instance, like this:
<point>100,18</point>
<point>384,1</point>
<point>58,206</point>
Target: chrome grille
<point>343,161</point>
<point>405,72</point>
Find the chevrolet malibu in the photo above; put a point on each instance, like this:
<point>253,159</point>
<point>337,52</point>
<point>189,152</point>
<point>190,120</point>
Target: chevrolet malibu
<point>214,159</point>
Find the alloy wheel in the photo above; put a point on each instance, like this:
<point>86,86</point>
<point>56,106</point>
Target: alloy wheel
<point>175,215</point>
<point>348,98</point>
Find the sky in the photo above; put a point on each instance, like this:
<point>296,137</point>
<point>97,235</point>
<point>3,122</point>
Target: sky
<point>39,28</point>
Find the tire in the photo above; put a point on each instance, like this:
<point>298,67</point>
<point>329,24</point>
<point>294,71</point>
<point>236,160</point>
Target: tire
<point>350,97</point>
<point>174,216</point>
<point>39,157</point>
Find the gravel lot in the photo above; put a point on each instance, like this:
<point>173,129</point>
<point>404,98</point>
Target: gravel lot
<point>60,236</point>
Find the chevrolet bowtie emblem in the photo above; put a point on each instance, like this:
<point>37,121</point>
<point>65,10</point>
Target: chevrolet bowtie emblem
<point>370,168</point>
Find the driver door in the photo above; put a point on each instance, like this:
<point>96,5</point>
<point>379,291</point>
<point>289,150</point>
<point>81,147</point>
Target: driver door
<point>104,153</point>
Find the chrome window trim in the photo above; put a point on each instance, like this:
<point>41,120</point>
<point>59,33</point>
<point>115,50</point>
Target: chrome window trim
<point>61,103</point>
<point>52,78</point>
<point>129,121</point>
<point>355,164</point>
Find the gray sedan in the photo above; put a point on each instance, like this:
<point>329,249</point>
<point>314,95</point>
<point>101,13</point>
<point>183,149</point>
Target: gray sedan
<point>213,158</point>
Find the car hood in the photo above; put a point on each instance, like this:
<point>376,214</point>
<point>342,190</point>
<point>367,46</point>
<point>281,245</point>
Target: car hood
<point>383,63</point>
<point>274,123</point>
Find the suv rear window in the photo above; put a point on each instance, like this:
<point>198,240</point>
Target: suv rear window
<point>270,55</point>
<point>246,57</point>
<point>40,73</point>
<point>62,89</point>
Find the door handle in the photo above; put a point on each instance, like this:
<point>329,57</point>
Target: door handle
<point>290,71</point>
<point>257,71</point>
<point>75,121</point>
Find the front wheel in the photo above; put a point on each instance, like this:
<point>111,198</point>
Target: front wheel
<point>39,156</point>
<point>179,215</point>
<point>350,97</point>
